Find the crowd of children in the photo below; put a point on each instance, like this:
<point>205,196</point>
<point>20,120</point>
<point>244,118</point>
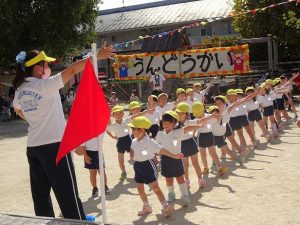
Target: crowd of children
<point>171,134</point>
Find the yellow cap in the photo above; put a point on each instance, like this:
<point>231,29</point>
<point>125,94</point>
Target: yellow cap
<point>212,108</point>
<point>197,84</point>
<point>173,114</point>
<point>117,108</point>
<point>182,107</point>
<point>197,109</point>
<point>162,94</point>
<point>189,90</point>
<point>140,122</point>
<point>269,82</point>
<point>262,85</point>
<point>153,96</point>
<point>180,90</point>
<point>239,91</point>
<point>249,89</point>
<point>221,97</point>
<point>40,57</point>
<point>231,92</point>
<point>133,105</point>
<point>275,81</point>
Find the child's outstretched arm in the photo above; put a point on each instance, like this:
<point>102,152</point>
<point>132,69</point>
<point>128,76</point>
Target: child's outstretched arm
<point>142,113</point>
<point>241,101</point>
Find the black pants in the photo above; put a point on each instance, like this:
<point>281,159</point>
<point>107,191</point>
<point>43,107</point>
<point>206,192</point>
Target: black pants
<point>44,175</point>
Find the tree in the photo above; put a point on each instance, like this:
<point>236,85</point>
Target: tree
<point>59,27</point>
<point>281,21</point>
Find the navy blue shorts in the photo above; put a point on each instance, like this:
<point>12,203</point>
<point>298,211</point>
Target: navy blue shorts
<point>124,144</point>
<point>205,140</point>
<point>95,160</point>
<point>268,111</point>
<point>154,130</point>
<point>171,167</point>
<point>228,130</point>
<point>189,147</point>
<point>220,141</point>
<point>280,104</point>
<point>235,123</point>
<point>145,172</point>
<point>254,115</point>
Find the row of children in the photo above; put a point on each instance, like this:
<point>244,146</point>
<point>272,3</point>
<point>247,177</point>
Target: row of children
<point>178,131</point>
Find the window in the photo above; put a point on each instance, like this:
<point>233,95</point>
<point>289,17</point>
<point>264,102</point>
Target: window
<point>113,38</point>
<point>206,31</point>
<point>203,32</point>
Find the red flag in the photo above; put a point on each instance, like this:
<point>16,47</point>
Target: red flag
<point>89,115</point>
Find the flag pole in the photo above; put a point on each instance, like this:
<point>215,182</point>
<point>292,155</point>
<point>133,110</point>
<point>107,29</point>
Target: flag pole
<point>100,138</point>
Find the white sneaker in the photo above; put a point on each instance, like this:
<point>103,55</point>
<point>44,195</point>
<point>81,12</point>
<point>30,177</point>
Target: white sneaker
<point>167,211</point>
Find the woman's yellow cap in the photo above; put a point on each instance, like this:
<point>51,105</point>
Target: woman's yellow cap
<point>140,122</point>
<point>197,109</point>
<point>40,57</point>
<point>134,104</point>
<point>182,107</point>
<point>212,108</point>
<point>117,108</point>
<point>180,90</point>
<point>173,114</point>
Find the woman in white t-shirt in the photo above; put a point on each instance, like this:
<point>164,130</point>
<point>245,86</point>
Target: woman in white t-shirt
<point>37,100</point>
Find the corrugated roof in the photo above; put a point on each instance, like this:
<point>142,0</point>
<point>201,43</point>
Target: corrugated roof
<point>163,15</point>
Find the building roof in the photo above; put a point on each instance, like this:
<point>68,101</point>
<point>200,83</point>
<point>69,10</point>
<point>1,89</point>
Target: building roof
<point>170,12</point>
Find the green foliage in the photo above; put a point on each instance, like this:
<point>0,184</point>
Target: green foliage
<point>219,42</point>
<point>59,27</point>
<point>282,21</point>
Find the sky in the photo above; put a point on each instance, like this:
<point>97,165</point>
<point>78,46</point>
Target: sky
<point>108,4</point>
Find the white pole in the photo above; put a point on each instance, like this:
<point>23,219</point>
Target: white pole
<point>100,138</point>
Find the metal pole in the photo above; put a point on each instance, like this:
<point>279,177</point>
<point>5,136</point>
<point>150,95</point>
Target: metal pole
<point>100,139</point>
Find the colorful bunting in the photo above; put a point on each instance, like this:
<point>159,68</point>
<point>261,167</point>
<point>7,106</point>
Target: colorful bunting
<point>204,23</point>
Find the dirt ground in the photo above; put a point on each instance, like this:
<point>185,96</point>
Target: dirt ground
<point>266,190</point>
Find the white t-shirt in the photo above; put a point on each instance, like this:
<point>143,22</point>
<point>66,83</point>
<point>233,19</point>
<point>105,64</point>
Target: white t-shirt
<point>239,110</point>
<point>145,149</point>
<point>171,141</point>
<point>252,105</point>
<point>190,103</point>
<point>93,144</point>
<point>208,125</point>
<point>219,128</point>
<point>169,106</point>
<point>154,117</point>
<point>189,134</point>
<point>266,100</point>
<point>120,129</point>
<point>41,105</point>
<point>157,81</point>
<point>199,96</point>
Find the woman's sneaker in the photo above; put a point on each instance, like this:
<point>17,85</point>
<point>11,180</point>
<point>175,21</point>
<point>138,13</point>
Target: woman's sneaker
<point>95,192</point>
<point>167,211</point>
<point>147,209</point>
<point>171,197</point>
